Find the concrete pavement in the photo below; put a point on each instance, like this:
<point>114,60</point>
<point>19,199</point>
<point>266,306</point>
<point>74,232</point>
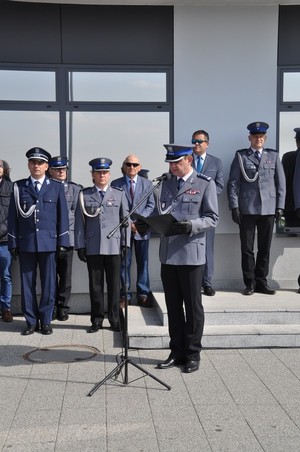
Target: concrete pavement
<point>239,400</point>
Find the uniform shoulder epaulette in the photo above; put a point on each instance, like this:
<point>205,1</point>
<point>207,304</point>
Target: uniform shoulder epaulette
<point>74,183</point>
<point>20,181</point>
<point>117,188</point>
<point>272,150</point>
<point>203,176</point>
<point>86,188</point>
<point>242,150</point>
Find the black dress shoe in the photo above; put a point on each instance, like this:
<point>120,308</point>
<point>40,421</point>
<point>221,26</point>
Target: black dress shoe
<point>62,315</point>
<point>209,291</point>
<point>95,327</point>
<point>191,366</point>
<point>30,329</point>
<point>46,329</point>
<point>249,290</point>
<point>265,289</point>
<point>169,362</point>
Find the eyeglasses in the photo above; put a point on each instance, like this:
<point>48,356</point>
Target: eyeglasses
<point>129,164</point>
<point>198,141</point>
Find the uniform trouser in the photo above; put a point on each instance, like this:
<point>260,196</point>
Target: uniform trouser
<point>208,271</point>
<point>97,265</point>
<point>32,311</point>
<point>256,272</point>
<point>182,284</point>
<point>64,280</point>
<point>5,275</point>
<point>141,248</point>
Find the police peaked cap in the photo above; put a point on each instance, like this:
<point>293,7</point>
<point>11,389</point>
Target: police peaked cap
<point>297,131</point>
<point>257,127</point>
<point>100,164</point>
<point>38,154</point>
<point>176,152</point>
<point>58,162</point>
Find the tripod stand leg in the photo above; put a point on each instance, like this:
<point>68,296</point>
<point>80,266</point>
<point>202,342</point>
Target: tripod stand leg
<point>115,371</point>
<point>149,374</point>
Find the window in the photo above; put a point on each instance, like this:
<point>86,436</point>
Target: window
<point>86,113</point>
<point>117,86</point>
<point>32,86</point>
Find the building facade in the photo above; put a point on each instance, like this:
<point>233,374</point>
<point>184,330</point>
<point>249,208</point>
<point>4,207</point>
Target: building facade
<point>92,81</point>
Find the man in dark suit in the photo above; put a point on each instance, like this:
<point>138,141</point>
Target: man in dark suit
<point>210,166</point>
<point>58,170</point>
<point>38,232</point>
<point>291,166</point>
<point>256,195</point>
<point>136,188</point>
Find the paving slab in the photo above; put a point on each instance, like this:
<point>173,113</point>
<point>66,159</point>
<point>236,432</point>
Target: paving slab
<point>239,400</point>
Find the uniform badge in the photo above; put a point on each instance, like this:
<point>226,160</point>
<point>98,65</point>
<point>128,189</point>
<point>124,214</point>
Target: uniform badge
<point>192,192</point>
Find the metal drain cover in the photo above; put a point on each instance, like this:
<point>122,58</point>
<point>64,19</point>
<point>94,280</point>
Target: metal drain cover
<point>62,354</point>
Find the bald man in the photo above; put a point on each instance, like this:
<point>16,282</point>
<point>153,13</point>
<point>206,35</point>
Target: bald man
<point>136,188</point>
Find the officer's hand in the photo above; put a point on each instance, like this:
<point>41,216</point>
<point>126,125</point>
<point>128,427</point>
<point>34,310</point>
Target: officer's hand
<point>236,215</point>
<point>14,253</point>
<point>298,213</point>
<point>61,252</point>
<point>142,227</point>
<point>81,253</point>
<point>278,214</point>
<point>180,227</point>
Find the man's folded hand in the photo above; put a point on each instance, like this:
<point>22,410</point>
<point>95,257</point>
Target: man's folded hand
<point>181,227</point>
<point>14,253</point>
<point>142,227</point>
<point>236,215</point>
<point>81,253</point>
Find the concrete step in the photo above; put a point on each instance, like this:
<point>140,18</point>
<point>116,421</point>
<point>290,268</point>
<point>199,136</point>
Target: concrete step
<point>231,321</point>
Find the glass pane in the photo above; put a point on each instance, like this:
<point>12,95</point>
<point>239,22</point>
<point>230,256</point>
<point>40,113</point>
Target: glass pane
<point>291,87</point>
<point>117,87</point>
<point>27,86</point>
<point>22,130</point>
<point>115,135</point>
<point>288,121</point>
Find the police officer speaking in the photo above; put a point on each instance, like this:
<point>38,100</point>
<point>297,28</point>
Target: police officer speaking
<point>38,229</point>
<point>256,195</point>
<point>192,199</point>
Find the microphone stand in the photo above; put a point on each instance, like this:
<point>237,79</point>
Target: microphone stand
<point>125,360</point>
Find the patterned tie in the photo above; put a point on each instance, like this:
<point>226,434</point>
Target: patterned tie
<point>180,183</point>
<point>199,164</point>
<point>258,155</point>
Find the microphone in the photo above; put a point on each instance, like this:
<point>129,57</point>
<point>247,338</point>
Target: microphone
<point>165,176</point>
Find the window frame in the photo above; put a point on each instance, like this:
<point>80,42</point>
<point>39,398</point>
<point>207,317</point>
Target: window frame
<point>62,104</point>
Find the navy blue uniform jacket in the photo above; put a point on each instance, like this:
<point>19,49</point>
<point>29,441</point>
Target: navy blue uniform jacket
<point>47,227</point>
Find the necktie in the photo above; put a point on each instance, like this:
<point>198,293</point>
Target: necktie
<point>199,164</point>
<point>258,155</point>
<point>180,183</point>
<point>36,186</point>
<point>131,189</point>
<point>101,194</point>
